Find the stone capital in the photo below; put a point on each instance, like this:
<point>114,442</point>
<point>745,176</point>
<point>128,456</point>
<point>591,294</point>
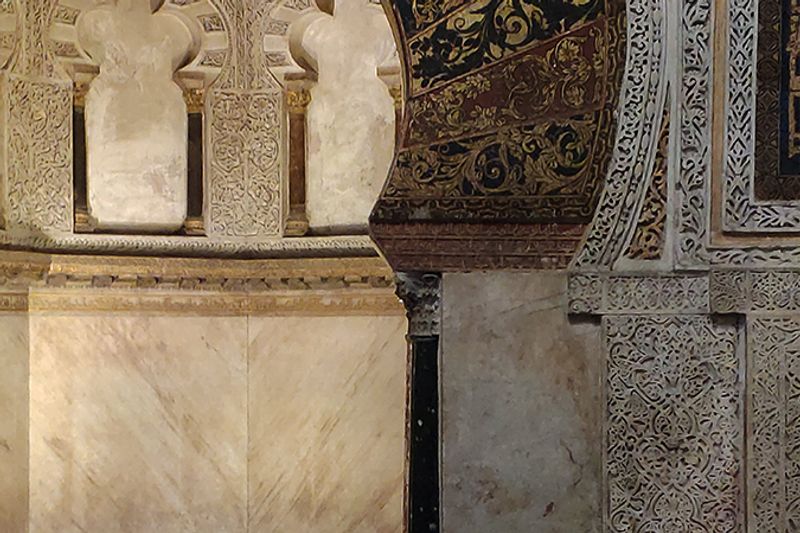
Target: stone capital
<point>421,294</point>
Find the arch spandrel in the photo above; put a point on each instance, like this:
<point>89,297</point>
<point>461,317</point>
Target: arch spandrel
<point>508,132</point>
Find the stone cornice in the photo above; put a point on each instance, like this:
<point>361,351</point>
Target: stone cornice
<point>207,286</point>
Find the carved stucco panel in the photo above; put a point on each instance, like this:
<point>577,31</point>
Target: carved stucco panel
<point>674,424</point>
<point>774,423</point>
<point>245,163</point>
<point>37,107</point>
<point>642,97</point>
<point>244,133</point>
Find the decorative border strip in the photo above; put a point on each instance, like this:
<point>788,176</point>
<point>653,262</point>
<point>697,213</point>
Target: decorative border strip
<point>636,140</point>
<point>693,186</point>
<point>13,302</point>
<point>445,247</point>
<point>293,303</point>
<point>216,274</point>
<point>755,291</point>
<point>742,212</point>
<point>612,294</point>
<point>357,245</point>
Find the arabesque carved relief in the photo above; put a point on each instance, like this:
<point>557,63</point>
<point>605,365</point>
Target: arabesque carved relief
<point>675,439</point>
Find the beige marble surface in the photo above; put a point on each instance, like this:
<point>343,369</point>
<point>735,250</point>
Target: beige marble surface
<point>136,124</point>
<point>13,422</point>
<point>326,417</point>
<point>138,424</point>
<point>521,407</point>
<point>351,117</point>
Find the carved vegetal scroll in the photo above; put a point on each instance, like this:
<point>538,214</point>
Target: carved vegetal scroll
<point>8,29</point>
<point>136,118</point>
<point>674,433</point>
<point>36,112</point>
<point>244,111</point>
<point>773,403</point>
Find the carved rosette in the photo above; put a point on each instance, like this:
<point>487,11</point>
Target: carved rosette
<point>422,296</point>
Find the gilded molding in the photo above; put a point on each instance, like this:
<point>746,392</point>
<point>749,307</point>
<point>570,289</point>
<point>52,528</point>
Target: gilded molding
<point>208,286</point>
<point>355,302</point>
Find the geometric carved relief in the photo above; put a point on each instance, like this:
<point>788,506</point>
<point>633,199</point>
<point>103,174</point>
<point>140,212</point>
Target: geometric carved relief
<point>774,420</point>
<point>136,117</point>
<point>674,428</point>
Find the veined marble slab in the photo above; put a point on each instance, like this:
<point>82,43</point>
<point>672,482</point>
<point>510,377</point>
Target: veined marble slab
<point>13,423</point>
<point>138,424</point>
<point>327,410</point>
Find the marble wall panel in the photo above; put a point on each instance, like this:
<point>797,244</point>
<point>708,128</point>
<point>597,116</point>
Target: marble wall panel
<point>521,407</point>
<point>138,424</point>
<point>13,423</point>
<point>327,408</point>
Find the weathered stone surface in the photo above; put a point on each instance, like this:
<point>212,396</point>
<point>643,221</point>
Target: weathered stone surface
<point>136,121</point>
<point>521,407</point>
<point>351,116</point>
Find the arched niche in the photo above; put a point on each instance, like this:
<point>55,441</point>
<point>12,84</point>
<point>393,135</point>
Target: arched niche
<point>141,69</point>
<point>339,66</point>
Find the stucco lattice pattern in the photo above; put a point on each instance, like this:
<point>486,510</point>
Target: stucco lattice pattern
<point>674,437</point>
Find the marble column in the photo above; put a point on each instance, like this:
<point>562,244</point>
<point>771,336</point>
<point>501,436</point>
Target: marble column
<point>421,294</point>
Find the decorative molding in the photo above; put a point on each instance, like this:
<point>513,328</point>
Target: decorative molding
<point>448,247</point>
<point>642,96</point>
<point>422,296</point>
<point>22,269</point>
<point>358,302</point>
<point>629,294</point>
<point>675,426</point>
<point>13,302</point>
<point>344,246</point>
<point>772,400</point>
<point>207,286</point>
